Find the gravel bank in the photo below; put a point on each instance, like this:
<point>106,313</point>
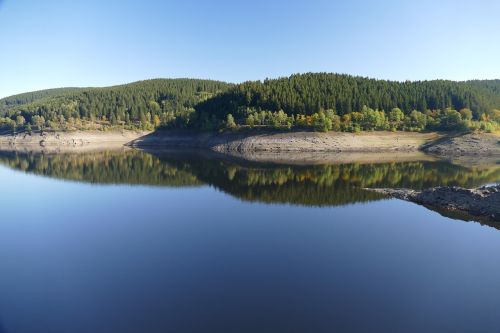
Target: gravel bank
<point>468,144</point>
<point>254,143</point>
<point>290,141</point>
<point>67,141</point>
<point>478,204</point>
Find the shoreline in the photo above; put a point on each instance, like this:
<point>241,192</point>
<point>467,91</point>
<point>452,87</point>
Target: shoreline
<point>480,204</point>
<point>279,146</point>
<point>289,142</point>
<point>69,141</point>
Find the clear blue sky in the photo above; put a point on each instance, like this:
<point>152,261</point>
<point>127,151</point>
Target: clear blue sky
<point>55,43</point>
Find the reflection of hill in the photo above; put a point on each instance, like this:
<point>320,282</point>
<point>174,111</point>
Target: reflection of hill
<point>318,185</point>
<point>335,184</point>
<point>113,167</point>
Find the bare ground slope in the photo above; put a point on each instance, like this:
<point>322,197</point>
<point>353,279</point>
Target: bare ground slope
<point>290,141</point>
<point>270,143</point>
<point>65,141</point>
<point>466,144</point>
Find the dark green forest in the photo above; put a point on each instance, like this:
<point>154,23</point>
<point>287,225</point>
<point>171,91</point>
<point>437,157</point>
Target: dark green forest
<point>342,102</point>
<point>30,97</point>
<point>141,105</point>
<point>312,101</point>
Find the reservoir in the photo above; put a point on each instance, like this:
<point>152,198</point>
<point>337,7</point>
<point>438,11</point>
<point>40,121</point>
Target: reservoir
<point>130,241</point>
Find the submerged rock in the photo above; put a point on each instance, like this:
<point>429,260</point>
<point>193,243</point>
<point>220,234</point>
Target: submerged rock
<point>481,204</point>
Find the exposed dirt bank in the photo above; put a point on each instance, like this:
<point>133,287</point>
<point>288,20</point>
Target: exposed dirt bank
<point>478,204</point>
<point>290,141</point>
<point>253,145</point>
<point>467,144</point>
<point>68,141</point>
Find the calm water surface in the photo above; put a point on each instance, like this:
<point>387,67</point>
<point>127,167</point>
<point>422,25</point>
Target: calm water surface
<point>134,242</point>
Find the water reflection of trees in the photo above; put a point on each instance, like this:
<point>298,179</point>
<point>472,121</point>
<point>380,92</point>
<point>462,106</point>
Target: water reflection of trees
<point>106,167</point>
<point>334,184</point>
<point>318,185</point>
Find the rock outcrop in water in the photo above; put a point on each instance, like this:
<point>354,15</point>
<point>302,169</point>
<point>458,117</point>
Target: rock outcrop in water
<point>481,204</point>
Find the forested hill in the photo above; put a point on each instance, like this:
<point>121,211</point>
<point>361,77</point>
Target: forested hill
<point>30,97</point>
<point>143,104</point>
<point>309,93</point>
<point>323,101</point>
<point>318,101</point>
<point>492,86</point>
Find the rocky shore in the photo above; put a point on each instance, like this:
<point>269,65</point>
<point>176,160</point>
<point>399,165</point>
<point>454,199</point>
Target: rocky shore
<point>472,144</point>
<point>289,141</point>
<point>442,144</point>
<point>68,141</point>
<point>482,204</point>
<point>262,142</point>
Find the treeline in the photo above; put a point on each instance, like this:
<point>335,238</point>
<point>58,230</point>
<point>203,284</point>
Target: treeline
<point>493,86</point>
<point>30,97</point>
<point>315,101</point>
<point>342,102</point>
<point>140,105</point>
<point>367,119</point>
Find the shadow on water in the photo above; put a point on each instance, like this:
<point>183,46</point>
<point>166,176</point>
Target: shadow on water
<point>310,185</point>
